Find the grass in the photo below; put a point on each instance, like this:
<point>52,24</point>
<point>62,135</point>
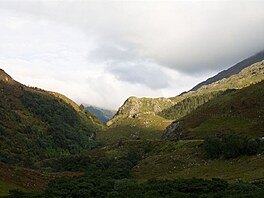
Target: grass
<point>5,187</point>
<point>186,159</point>
<point>239,112</point>
<point>225,125</point>
<point>148,127</point>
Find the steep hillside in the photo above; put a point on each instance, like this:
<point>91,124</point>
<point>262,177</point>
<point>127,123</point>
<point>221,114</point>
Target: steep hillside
<point>232,70</point>
<point>193,99</point>
<point>103,115</point>
<point>35,124</point>
<point>235,112</point>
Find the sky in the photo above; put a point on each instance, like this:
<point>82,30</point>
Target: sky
<point>101,52</point>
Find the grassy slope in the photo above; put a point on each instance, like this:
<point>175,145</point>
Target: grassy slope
<point>138,116</point>
<point>35,124</point>
<point>193,99</point>
<point>183,159</point>
<point>12,177</point>
<point>145,126</point>
<point>5,187</point>
<point>186,159</point>
<point>240,111</point>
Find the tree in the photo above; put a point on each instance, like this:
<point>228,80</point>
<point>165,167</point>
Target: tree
<point>213,147</point>
<point>253,147</point>
<point>233,146</point>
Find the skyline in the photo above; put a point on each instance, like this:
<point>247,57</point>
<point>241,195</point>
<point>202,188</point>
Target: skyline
<point>103,52</point>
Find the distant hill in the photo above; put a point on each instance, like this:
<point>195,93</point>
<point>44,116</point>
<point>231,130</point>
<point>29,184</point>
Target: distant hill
<point>37,124</point>
<point>232,70</point>
<point>103,115</point>
<point>137,118</point>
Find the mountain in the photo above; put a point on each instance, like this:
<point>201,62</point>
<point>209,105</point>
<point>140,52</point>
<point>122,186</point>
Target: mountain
<point>232,70</point>
<point>133,161</point>
<point>103,115</point>
<point>37,124</point>
<point>193,99</point>
<point>138,118</point>
<point>234,112</point>
<point>148,117</point>
<point>134,107</point>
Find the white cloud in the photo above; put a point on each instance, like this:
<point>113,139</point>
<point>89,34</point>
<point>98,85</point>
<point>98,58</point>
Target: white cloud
<point>101,52</point>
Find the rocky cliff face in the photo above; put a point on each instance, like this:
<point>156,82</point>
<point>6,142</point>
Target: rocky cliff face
<point>173,132</point>
<point>5,77</point>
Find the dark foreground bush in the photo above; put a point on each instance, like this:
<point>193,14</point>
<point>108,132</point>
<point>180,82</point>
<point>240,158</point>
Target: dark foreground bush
<point>89,187</point>
<point>231,146</point>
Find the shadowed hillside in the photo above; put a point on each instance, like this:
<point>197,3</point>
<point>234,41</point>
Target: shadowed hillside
<point>103,115</point>
<point>35,124</point>
<point>237,111</point>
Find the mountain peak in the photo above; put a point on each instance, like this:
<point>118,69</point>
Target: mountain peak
<point>5,77</point>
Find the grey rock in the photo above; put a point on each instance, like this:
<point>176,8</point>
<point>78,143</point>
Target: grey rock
<point>173,132</point>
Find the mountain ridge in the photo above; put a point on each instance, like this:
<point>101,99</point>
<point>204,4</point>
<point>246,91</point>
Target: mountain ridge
<point>141,115</point>
<point>235,69</point>
<point>104,115</point>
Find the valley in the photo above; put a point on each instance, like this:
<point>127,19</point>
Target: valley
<point>53,147</point>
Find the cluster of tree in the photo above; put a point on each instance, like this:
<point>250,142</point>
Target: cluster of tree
<point>187,105</point>
<point>231,146</point>
<point>99,165</point>
<point>47,127</point>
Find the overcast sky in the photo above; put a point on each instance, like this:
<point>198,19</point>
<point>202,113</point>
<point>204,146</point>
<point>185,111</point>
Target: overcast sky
<point>101,52</point>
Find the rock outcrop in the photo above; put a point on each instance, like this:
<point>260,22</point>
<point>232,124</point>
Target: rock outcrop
<point>173,132</point>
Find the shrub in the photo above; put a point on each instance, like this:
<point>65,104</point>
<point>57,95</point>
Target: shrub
<point>233,146</point>
<point>213,147</point>
<point>253,147</point>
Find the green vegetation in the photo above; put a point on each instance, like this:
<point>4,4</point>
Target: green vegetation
<point>6,187</point>
<point>110,172</point>
<point>187,105</point>
<point>36,125</point>
<point>177,107</point>
<point>134,107</point>
<point>103,115</point>
<point>143,126</point>
<point>231,146</point>
<point>50,133</point>
<point>237,112</point>
<point>92,187</point>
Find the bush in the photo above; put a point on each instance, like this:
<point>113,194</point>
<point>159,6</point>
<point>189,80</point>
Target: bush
<point>233,146</point>
<point>213,147</point>
<point>253,147</point>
